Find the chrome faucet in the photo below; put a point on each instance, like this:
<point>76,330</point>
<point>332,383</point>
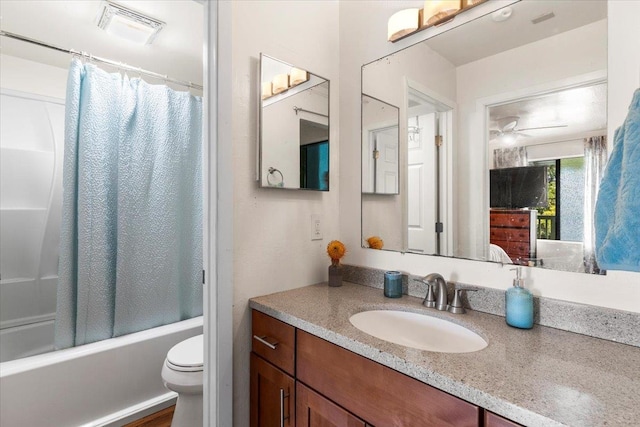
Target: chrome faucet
<point>439,300</point>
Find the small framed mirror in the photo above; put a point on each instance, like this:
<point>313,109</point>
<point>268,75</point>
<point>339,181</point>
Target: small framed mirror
<point>293,127</point>
<point>380,146</point>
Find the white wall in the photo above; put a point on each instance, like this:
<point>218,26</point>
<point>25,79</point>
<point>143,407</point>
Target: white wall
<point>363,41</point>
<point>273,250</point>
<point>33,77</point>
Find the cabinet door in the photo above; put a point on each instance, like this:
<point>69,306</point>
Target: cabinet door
<point>272,395</point>
<point>313,410</point>
<point>493,420</point>
<point>374,392</point>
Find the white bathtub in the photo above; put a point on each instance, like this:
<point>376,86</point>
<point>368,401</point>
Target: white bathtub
<point>107,383</point>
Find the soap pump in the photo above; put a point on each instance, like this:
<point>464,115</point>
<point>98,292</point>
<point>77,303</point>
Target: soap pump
<point>519,303</point>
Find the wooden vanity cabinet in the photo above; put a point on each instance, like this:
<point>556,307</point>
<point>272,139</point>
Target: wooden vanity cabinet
<point>298,379</point>
<point>272,372</point>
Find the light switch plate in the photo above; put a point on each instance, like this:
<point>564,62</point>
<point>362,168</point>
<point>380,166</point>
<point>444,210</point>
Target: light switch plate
<point>316,227</point>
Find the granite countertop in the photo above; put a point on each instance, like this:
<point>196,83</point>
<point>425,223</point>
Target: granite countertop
<point>537,377</point>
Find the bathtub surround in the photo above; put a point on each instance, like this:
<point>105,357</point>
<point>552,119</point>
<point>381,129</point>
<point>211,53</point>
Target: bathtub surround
<point>131,240</point>
<point>30,209</point>
<point>598,322</point>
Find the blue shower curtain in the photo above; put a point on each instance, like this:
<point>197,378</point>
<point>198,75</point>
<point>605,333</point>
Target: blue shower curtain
<point>131,238</point>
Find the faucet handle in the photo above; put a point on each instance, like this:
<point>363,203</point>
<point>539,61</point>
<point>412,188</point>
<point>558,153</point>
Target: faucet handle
<point>456,306</point>
<point>429,299</point>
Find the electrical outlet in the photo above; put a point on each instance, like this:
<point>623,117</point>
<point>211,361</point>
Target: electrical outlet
<point>316,227</point>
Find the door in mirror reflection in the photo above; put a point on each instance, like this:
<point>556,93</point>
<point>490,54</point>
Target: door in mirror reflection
<point>380,147</point>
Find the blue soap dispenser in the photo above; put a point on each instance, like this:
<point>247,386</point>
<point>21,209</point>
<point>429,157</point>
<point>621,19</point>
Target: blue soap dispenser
<point>519,303</point>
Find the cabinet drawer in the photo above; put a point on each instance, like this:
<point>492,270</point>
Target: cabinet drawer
<point>510,234</point>
<point>499,219</point>
<point>375,393</point>
<point>493,420</point>
<point>274,340</point>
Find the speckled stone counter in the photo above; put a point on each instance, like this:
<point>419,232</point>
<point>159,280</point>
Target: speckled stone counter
<point>537,377</point>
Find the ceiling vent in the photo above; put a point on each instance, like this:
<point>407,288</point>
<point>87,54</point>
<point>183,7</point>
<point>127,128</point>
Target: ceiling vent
<point>543,17</point>
<point>129,24</point>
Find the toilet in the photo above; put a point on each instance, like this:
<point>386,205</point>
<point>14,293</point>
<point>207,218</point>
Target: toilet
<point>182,373</point>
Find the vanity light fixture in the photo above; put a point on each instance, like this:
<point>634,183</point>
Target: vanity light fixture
<point>436,11</point>
<point>297,76</point>
<point>280,83</point>
<point>266,90</point>
<point>128,24</point>
<point>403,23</point>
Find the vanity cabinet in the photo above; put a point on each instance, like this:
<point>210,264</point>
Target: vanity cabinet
<point>306,381</point>
<point>514,230</point>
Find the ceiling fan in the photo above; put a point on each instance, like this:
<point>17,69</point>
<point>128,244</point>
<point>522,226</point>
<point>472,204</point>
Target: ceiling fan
<point>509,126</point>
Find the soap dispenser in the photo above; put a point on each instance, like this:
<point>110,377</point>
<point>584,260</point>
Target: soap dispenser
<point>519,303</point>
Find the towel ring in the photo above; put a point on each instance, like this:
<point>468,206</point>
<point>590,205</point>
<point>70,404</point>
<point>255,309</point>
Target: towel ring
<point>273,170</point>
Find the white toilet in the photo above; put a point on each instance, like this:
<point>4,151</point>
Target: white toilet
<point>182,373</point>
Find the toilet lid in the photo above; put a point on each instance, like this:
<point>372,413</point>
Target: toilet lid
<point>187,355</point>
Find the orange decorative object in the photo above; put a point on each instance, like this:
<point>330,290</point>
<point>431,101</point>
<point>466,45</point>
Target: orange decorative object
<point>336,250</point>
<point>375,242</point>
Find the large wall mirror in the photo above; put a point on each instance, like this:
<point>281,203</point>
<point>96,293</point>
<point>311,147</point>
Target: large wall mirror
<point>502,130</point>
<point>294,127</point>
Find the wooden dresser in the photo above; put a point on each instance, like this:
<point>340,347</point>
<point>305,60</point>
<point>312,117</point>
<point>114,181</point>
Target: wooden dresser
<point>515,232</point>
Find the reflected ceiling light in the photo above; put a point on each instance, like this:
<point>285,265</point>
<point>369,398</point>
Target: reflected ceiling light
<point>266,90</point>
<point>508,138</point>
<point>402,23</point>
<point>280,83</point>
<point>298,76</point>
<point>436,10</point>
<point>129,24</point>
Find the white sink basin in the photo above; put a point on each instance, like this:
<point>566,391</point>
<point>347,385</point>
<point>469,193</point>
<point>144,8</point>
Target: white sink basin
<point>418,331</point>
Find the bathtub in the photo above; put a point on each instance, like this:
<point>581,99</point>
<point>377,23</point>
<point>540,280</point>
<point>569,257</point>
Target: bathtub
<point>107,383</point>
<point>26,340</point>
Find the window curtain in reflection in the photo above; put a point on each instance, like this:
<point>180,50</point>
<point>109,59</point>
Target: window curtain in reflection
<point>510,157</point>
<point>131,236</point>
<point>595,159</point>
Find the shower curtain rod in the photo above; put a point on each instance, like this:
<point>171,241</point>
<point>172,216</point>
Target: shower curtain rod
<point>117,64</point>
<point>296,109</point>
